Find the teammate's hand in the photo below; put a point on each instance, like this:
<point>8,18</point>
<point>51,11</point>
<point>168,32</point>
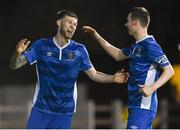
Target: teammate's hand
<point>90,30</point>
<point>121,76</point>
<point>22,45</point>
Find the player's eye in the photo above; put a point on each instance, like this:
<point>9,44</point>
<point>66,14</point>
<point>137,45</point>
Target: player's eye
<point>68,21</point>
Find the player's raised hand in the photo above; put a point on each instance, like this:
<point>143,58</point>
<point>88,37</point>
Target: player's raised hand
<point>22,45</point>
<point>90,30</point>
<point>121,76</point>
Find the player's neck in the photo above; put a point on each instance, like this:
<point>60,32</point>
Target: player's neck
<point>140,34</point>
<point>61,41</point>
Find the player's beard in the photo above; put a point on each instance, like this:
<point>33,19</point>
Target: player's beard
<point>66,34</point>
<point>129,32</point>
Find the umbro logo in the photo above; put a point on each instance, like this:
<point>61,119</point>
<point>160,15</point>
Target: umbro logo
<point>49,53</point>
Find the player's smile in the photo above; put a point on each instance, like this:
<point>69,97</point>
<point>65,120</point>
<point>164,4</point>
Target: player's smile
<point>70,31</point>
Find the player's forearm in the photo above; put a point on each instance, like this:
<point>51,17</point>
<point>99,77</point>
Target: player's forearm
<point>167,73</point>
<point>102,78</point>
<point>17,60</point>
<point>111,50</point>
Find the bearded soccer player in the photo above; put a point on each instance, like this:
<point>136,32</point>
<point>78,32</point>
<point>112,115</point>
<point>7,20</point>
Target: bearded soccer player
<point>58,61</point>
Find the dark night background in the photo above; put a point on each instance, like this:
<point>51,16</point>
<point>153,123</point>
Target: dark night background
<point>36,18</point>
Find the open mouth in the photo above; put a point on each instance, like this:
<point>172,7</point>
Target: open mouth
<point>70,31</point>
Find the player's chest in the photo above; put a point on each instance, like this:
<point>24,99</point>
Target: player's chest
<point>59,56</point>
<point>137,52</point>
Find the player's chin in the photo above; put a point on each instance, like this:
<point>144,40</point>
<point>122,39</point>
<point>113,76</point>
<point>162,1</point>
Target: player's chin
<point>130,33</point>
<point>69,36</point>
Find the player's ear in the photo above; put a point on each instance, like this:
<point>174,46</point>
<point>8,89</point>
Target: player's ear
<point>58,22</point>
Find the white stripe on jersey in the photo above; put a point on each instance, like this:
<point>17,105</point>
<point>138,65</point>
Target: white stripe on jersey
<point>146,101</point>
<point>37,87</point>
<point>75,96</point>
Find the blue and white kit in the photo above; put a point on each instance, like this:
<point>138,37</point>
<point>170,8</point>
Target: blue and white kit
<point>146,59</point>
<point>57,71</point>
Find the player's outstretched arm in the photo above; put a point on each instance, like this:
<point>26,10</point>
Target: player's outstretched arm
<point>18,60</point>
<point>119,77</point>
<point>113,51</point>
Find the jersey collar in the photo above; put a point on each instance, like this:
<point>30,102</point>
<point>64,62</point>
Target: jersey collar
<point>148,36</point>
<point>54,41</point>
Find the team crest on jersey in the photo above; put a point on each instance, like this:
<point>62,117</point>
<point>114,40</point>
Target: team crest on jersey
<point>49,53</point>
<point>161,59</point>
<point>70,55</point>
<point>137,51</point>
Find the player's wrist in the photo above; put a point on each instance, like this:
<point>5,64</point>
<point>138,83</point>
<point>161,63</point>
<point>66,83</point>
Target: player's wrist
<point>17,53</point>
<point>116,78</point>
<point>154,88</point>
<point>96,34</point>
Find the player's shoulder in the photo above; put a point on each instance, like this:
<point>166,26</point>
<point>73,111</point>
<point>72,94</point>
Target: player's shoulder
<point>42,41</point>
<point>45,40</point>
<point>150,42</point>
<point>77,44</point>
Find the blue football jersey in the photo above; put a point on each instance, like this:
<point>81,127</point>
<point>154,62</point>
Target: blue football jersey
<point>146,59</point>
<point>57,71</point>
